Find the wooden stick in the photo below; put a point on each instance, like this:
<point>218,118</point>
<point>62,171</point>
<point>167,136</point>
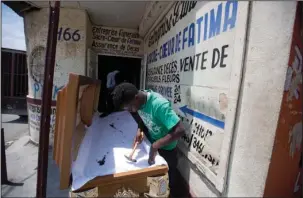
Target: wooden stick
<point>133,151</point>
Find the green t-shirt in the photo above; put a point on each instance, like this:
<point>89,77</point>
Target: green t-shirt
<point>159,117</point>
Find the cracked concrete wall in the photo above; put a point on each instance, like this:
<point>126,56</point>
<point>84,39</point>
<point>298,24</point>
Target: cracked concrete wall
<point>70,56</point>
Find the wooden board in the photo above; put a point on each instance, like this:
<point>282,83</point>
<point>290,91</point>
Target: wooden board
<point>72,113</point>
<point>76,104</point>
<point>119,178</point>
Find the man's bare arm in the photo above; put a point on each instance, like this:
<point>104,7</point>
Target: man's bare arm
<point>176,132</point>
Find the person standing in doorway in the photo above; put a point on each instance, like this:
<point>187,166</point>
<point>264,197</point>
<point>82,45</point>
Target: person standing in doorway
<point>163,124</point>
<point>113,78</point>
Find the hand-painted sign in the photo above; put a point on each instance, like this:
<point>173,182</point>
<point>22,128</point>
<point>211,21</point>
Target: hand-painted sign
<point>117,41</point>
<point>38,90</point>
<point>190,61</point>
<point>201,116</point>
<point>37,62</point>
<point>34,116</point>
<point>67,34</point>
<point>181,9</point>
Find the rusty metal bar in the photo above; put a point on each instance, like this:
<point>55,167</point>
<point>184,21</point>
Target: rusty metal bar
<point>21,72</point>
<point>12,74</point>
<point>16,76</point>
<point>4,179</point>
<point>26,77</point>
<point>46,100</point>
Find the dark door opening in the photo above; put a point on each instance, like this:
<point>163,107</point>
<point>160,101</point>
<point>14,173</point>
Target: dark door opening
<point>129,69</point>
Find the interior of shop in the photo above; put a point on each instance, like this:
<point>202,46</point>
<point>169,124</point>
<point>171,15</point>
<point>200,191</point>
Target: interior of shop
<point>129,69</point>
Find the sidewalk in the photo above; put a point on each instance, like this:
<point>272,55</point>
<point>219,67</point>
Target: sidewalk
<point>21,160</point>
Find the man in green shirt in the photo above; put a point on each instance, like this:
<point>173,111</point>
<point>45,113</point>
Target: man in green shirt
<point>163,124</point>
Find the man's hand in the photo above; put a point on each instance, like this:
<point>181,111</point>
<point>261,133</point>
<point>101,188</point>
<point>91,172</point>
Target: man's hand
<point>152,154</point>
<point>139,137</point>
<point>177,132</point>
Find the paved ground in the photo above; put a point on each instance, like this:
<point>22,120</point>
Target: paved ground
<point>21,160</point>
<point>14,127</point>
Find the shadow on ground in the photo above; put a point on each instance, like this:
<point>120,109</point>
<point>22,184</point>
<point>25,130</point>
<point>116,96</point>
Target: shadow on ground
<point>20,120</point>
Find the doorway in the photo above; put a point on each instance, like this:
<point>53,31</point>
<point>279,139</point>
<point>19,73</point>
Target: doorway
<point>130,69</point>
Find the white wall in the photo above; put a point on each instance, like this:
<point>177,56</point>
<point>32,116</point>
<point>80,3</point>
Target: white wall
<point>268,48</point>
<point>70,56</point>
<point>214,92</point>
<point>204,95</point>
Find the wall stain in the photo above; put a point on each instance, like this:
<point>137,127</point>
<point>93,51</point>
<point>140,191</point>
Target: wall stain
<point>295,138</point>
<point>207,108</point>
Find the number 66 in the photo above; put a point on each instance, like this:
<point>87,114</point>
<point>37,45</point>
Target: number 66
<point>67,35</point>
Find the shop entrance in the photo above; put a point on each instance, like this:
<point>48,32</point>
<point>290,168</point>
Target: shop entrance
<point>129,68</point>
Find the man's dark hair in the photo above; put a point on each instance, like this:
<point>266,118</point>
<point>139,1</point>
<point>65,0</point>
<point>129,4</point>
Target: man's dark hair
<point>123,94</point>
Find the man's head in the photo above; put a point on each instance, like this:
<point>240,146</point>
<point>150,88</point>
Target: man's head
<point>126,96</point>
